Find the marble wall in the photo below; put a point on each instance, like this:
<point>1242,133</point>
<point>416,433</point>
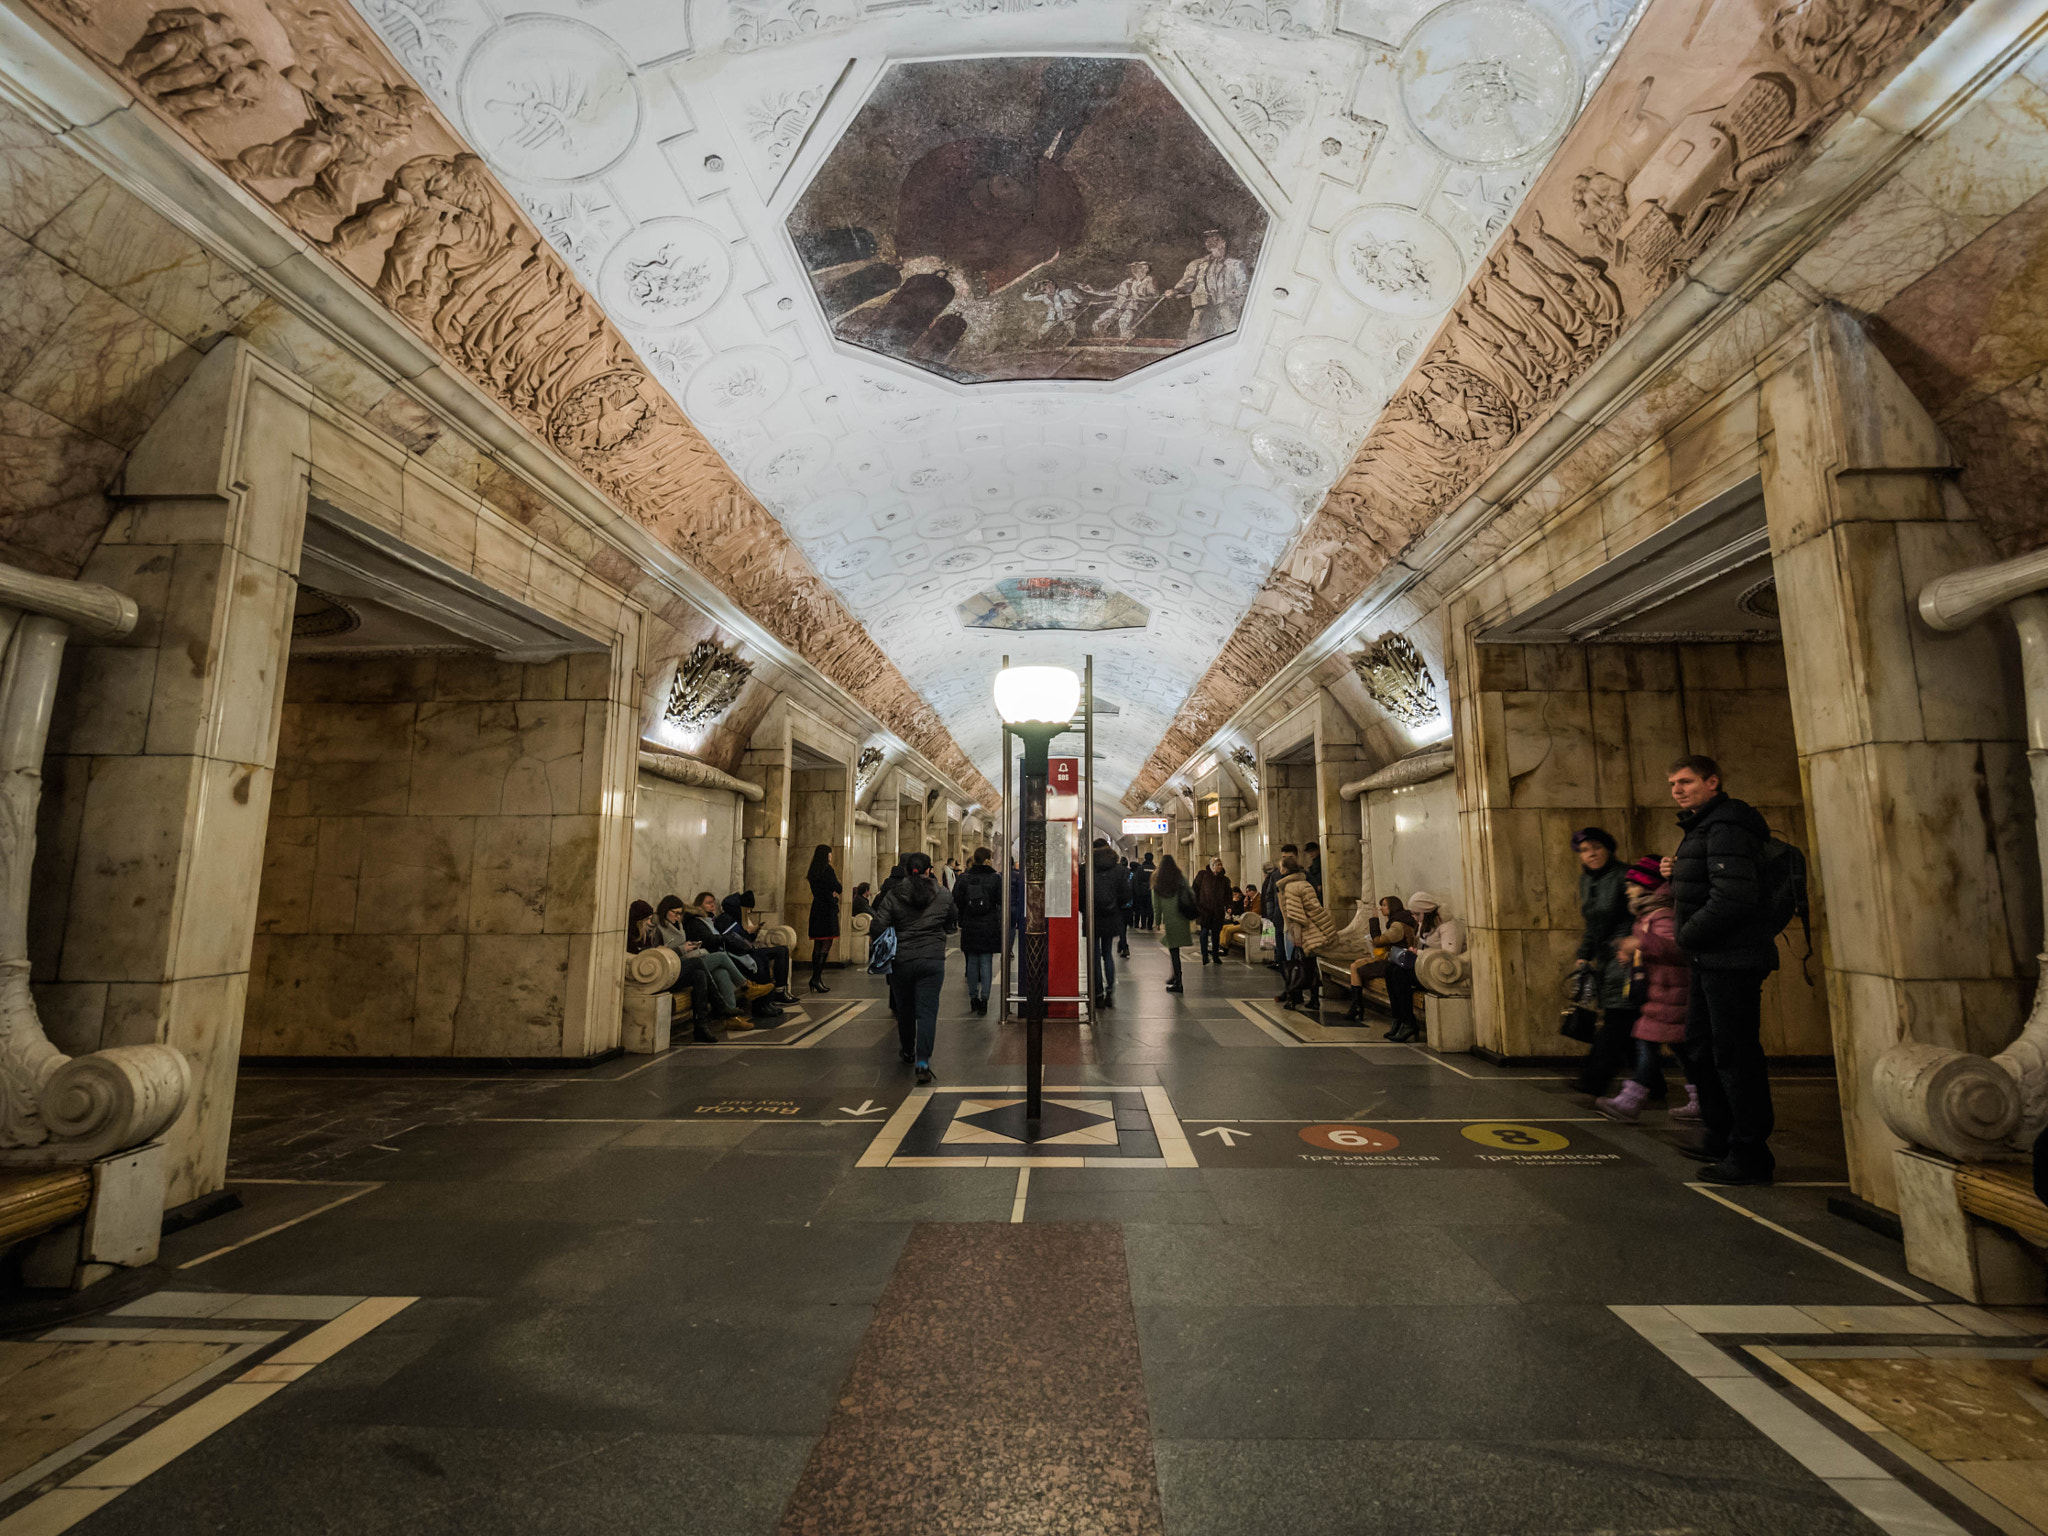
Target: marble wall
<point>107,311</point>
<point>1567,736</point>
<point>1970,337</point>
<point>685,840</point>
<point>1412,843</point>
<point>432,855</point>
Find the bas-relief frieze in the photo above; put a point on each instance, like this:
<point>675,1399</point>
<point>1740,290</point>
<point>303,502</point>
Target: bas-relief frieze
<point>304,109</point>
<point>1671,150</point>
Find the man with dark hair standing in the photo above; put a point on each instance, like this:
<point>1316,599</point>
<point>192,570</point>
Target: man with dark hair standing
<point>1725,928</point>
<point>1127,919</point>
<point>1312,866</point>
<point>1105,920</point>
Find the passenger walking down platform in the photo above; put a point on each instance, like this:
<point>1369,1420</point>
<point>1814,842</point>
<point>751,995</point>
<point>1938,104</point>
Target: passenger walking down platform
<point>923,916</point>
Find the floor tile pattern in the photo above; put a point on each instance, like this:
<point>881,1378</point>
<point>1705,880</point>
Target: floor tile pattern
<point>645,1288</point>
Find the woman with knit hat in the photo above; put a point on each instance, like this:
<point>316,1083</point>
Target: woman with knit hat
<point>1651,947</point>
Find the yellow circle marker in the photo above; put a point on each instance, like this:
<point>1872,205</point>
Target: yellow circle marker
<point>1499,1136</point>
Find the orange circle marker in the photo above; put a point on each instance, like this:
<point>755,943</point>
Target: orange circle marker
<point>1350,1138</point>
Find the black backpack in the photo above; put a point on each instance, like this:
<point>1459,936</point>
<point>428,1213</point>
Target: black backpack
<point>1781,879</point>
<point>1109,893</point>
<point>977,902</point>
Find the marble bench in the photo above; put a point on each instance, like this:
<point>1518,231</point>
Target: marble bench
<point>651,1010</point>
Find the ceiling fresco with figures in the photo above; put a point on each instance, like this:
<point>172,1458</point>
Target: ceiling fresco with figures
<point>994,220</point>
<point>961,294</point>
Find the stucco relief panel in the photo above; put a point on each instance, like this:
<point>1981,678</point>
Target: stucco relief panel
<point>1672,149</point>
<point>302,106</point>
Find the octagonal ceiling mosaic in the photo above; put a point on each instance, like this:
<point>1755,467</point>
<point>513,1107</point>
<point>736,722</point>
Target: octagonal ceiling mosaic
<point>1006,219</point>
<point>926,272</point>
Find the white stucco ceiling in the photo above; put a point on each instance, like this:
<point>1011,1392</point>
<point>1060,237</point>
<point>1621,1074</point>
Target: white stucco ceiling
<point>1366,129</point>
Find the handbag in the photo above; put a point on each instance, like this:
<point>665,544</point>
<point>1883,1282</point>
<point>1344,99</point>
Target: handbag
<point>1186,903</point>
<point>882,953</point>
<point>1638,986</point>
<point>1580,1019</point>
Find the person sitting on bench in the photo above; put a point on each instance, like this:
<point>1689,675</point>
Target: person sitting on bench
<point>681,926</point>
<point>1393,946</point>
<point>771,960</point>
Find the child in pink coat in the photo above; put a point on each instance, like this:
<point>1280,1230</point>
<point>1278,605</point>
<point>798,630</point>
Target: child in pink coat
<point>1652,945</point>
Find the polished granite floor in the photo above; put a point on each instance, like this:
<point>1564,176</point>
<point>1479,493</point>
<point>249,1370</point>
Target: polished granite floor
<point>1383,1291</point>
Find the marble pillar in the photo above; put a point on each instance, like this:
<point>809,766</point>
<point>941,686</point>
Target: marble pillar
<point>820,811</point>
<point>1341,758</point>
<point>159,775</point>
<point>1911,741</point>
<point>1230,805</point>
<point>764,823</point>
<point>909,818</point>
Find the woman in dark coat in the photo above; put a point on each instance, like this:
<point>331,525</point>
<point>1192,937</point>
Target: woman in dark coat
<point>824,880</point>
<point>1167,889</point>
<point>1213,891</point>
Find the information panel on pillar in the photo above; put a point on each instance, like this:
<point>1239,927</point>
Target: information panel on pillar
<point>1145,826</point>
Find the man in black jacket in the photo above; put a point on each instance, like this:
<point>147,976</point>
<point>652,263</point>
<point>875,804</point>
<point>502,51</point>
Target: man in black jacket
<point>699,927</point>
<point>1106,920</point>
<point>978,899</point>
<point>1726,931</point>
<point>1126,916</point>
<point>1312,866</point>
<point>922,915</point>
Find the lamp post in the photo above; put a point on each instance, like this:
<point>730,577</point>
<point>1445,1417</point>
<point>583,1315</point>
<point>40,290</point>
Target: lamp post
<point>1037,703</point>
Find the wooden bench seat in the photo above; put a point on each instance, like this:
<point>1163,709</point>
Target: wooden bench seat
<point>2003,1193</point>
<point>682,1005</point>
<point>1338,973</point>
<point>38,1200</point>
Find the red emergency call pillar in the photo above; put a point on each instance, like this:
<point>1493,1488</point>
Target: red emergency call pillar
<point>1063,857</point>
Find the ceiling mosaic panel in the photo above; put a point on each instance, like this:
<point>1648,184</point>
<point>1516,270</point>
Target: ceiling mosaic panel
<point>1033,218</point>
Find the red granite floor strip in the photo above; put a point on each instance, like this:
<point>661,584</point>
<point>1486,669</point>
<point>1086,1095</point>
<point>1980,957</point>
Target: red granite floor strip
<point>998,1390</point>
<point>1067,1044</point>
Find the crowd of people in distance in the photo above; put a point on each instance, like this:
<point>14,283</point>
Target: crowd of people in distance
<point>1676,949</point>
<point>1674,953</point>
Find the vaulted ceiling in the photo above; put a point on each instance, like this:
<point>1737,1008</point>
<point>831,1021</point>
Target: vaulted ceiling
<point>883,255</point>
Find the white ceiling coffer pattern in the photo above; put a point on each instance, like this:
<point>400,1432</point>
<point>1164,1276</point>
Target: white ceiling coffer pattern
<point>661,145</point>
